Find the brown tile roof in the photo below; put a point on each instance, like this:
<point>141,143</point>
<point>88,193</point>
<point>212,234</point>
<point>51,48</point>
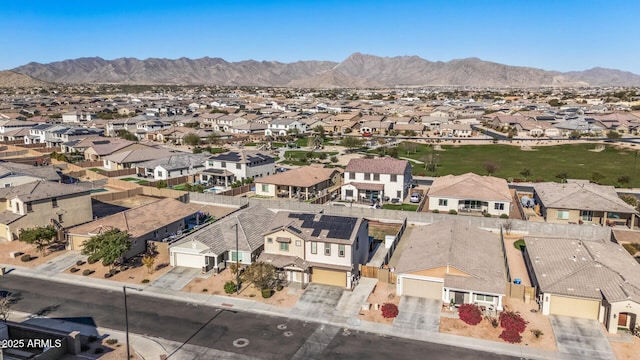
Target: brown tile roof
<point>471,186</point>
<point>39,190</point>
<point>384,165</point>
<point>581,196</point>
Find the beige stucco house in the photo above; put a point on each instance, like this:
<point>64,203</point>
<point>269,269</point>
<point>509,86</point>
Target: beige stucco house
<point>42,203</point>
<point>305,182</point>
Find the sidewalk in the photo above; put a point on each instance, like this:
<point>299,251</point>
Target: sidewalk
<point>344,316</point>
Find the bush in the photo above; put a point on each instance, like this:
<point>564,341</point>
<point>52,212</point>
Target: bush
<point>513,325</point>
<point>205,290</point>
<point>111,341</point>
<point>279,287</point>
<point>74,269</point>
<point>80,262</point>
<point>631,248</point>
<point>25,258</point>
<point>453,212</point>
<point>470,314</point>
<point>504,216</point>
<point>486,214</point>
<point>108,275</point>
<point>519,244</point>
<point>510,336</point>
<point>436,211</point>
<point>87,272</point>
<point>389,310</point>
<point>267,293</point>
<point>537,333</point>
<point>113,271</point>
<point>145,281</point>
<point>92,260</point>
<point>230,287</point>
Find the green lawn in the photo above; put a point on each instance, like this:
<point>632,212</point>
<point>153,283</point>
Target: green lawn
<point>544,162</point>
<point>129,179</point>
<point>403,207</point>
<point>301,154</point>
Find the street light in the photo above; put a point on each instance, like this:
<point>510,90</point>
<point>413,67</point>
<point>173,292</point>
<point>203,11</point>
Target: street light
<point>126,315</point>
<point>237,259</point>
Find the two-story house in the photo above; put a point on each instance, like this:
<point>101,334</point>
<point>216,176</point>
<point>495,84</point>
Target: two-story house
<point>237,165</point>
<point>282,127</point>
<point>42,203</point>
<point>317,248</point>
<point>371,179</point>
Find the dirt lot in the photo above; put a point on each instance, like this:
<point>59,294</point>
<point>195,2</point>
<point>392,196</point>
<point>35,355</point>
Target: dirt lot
<point>485,331</point>
<point>135,273</point>
<point>214,284</point>
<point>382,293</point>
<point>626,350</point>
<point>11,246</point>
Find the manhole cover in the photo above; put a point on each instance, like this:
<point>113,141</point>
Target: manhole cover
<point>288,334</point>
<point>240,343</point>
<point>282,326</point>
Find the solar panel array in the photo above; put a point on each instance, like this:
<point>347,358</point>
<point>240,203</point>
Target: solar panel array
<point>338,227</point>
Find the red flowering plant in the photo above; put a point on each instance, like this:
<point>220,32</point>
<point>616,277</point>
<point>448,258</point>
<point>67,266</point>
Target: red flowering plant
<point>470,314</point>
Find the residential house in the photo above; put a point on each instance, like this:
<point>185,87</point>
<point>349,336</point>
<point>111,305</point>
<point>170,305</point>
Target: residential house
<point>455,130</point>
<point>369,179</point>
<point>212,246</point>
<point>582,203</point>
<point>304,182</point>
<point>453,262</point>
<point>317,248</point>
<point>237,165</point>
<point>282,127</point>
<point>150,222</point>
<point>585,279</point>
<point>174,165</point>
<point>10,126</point>
<point>76,117</point>
<point>14,174</point>
<point>343,123</point>
<point>470,193</point>
<point>57,137</point>
<point>42,203</point>
<point>227,122</point>
<point>131,158</point>
<point>96,148</point>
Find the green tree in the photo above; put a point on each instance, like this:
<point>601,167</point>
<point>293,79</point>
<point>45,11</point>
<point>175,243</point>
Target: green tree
<point>563,176</point>
<point>351,142</point>
<point>630,199</point>
<point>613,135</point>
<point>333,159</point>
<point>261,274</point>
<point>490,167</point>
<point>319,129</point>
<point>213,138</point>
<point>526,172</point>
<point>624,180</point>
<point>127,135</point>
<point>108,246</point>
<point>597,177</point>
<point>41,237</point>
<point>191,139</point>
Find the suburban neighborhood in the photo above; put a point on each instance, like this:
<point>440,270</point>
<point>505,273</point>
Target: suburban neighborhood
<point>418,214</point>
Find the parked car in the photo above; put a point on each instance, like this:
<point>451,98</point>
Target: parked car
<point>415,198</point>
<point>395,200</point>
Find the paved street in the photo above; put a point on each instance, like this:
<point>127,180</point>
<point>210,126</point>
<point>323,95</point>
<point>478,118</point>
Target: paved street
<point>248,334</point>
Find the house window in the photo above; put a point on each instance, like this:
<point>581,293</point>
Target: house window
<point>265,187</point>
<point>376,177</point>
<point>284,246</point>
<point>235,257</point>
<point>54,202</point>
<point>298,243</point>
<point>314,247</point>
<point>159,173</point>
<point>443,202</point>
<point>367,176</point>
<point>223,164</point>
<point>270,240</point>
<point>352,176</point>
<point>394,178</point>
<point>29,207</point>
<point>485,298</point>
<point>563,214</point>
<point>341,250</point>
<point>238,166</point>
<point>327,249</point>
<point>498,206</point>
<point>348,193</point>
<point>398,194</point>
<point>586,215</point>
<point>60,218</point>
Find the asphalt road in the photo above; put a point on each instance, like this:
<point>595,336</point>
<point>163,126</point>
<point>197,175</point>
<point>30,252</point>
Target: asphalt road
<point>269,337</point>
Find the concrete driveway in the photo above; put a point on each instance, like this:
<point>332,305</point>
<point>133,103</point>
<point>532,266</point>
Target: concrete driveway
<point>176,278</point>
<point>583,338</point>
<point>61,262</point>
<point>318,301</point>
<point>418,313</point>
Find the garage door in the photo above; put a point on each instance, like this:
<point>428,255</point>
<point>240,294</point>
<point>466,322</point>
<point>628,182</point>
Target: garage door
<point>329,277</point>
<point>189,260</point>
<point>422,288</point>
<point>581,308</point>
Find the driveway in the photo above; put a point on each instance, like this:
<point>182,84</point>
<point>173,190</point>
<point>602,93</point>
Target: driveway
<point>418,313</point>
<point>176,278</point>
<point>61,262</point>
<point>584,338</point>
<point>318,301</point>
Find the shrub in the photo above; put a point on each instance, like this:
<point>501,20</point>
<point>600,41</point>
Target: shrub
<point>504,216</point>
<point>108,275</point>
<point>145,281</point>
<point>92,260</point>
<point>537,333</point>
<point>493,321</point>
<point>230,287</point>
<point>74,269</point>
<point>25,258</point>
<point>267,293</point>
<point>389,310</point>
<point>80,262</point>
<point>436,211</point>
<point>510,336</point>
<point>453,212</point>
<point>205,290</point>
<point>513,325</point>
<point>470,314</point>
<point>279,287</point>
<point>631,249</point>
<point>486,214</point>
<point>113,271</point>
<point>519,244</point>
<point>111,341</point>
<point>87,272</point>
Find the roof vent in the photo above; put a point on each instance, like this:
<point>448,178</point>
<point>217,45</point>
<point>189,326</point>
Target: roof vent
<point>537,258</point>
<point>570,289</point>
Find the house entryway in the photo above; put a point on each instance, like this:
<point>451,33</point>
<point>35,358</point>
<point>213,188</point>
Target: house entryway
<point>626,321</point>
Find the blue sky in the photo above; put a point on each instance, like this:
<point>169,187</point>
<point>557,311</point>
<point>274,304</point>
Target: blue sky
<point>560,35</point>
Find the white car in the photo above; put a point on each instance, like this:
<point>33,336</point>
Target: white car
<point>415,198</point>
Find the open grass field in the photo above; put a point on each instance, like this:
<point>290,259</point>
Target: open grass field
<point>579,161</point>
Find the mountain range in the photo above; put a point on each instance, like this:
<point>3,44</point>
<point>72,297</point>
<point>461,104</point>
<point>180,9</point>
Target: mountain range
<point>356,71</point>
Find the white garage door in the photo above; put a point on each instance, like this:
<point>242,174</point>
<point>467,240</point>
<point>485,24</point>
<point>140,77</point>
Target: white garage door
<point>422,288</point>
<point>189,260</point>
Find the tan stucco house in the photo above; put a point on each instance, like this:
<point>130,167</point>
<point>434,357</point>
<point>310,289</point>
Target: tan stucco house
<point>305,182</point>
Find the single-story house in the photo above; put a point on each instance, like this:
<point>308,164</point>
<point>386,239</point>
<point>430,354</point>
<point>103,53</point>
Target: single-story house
<point>305,181</point>
<point>470,193</point>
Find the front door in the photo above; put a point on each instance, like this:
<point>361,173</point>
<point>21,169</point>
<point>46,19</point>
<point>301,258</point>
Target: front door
<point>459,298</point>
<point>622,319</point>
